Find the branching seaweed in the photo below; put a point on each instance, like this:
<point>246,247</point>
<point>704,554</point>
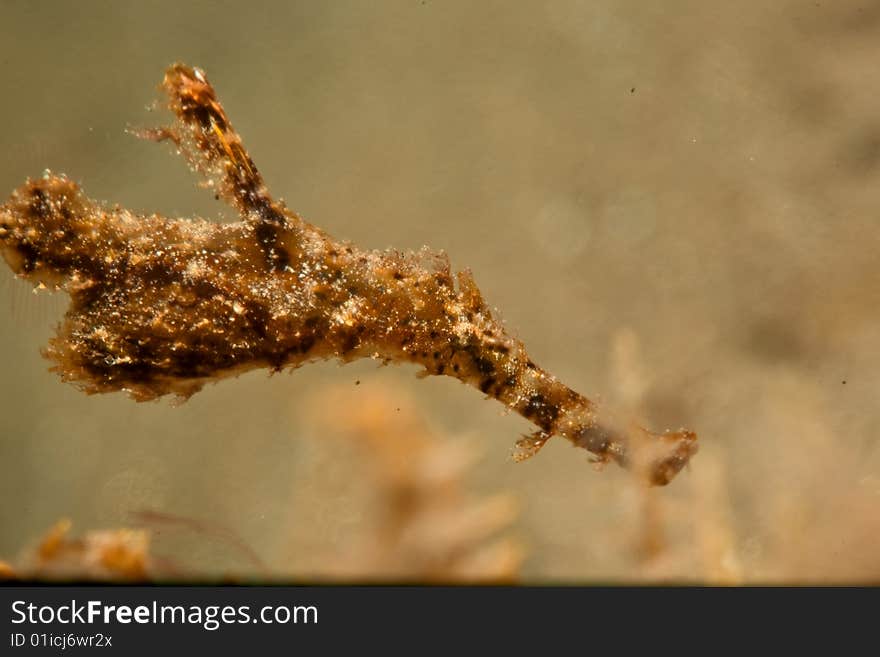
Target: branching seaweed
<point>117,555</point>
<point>424,524</point>
<point>163,306</point>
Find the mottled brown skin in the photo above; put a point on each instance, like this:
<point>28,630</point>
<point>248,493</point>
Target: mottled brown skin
<point>163,306</point>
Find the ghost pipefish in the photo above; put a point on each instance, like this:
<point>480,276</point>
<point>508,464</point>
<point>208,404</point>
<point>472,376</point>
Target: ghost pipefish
<point>162,306</point>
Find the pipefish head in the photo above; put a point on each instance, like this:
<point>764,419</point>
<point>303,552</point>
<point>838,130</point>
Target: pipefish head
<point>656,457</point>
<point>669,454</point>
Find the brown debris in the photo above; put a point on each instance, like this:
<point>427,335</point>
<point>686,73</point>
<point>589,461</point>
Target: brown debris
<point>6,571</point>
<point>108,555</point>
<point>163,306</point>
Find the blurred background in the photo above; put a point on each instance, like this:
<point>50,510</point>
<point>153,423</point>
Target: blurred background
<point>676,206</point>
